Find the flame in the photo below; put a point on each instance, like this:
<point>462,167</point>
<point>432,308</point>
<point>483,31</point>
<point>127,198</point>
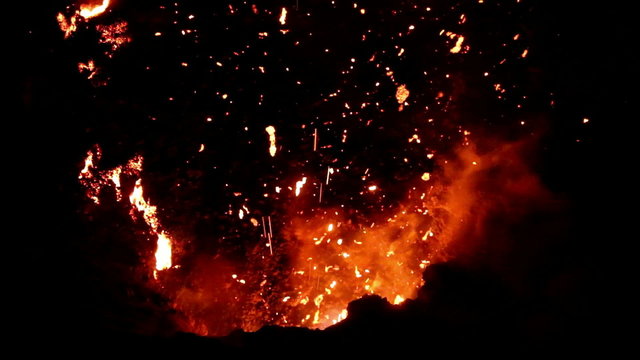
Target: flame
<point>88,11</point>
<point>331,255</point>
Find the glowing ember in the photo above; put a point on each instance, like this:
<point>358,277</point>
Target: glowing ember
<point>89,67</point>
<point>94,180</point>
<point>272,140</point>
<point>68,26</point>
<point>85,173</point>
<point>374,214</point>
<point>114,35</point>
<point>300,184</point>
<point>163,253</point>
<point>283,16</point>
<point>88,11</point>
<point>402,93</point>
<point>456,49</point>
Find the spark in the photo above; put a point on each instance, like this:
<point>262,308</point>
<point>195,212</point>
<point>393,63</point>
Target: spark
<point>315,139</point>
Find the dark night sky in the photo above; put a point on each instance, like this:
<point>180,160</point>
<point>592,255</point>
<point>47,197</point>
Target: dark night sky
<point>580,57</point>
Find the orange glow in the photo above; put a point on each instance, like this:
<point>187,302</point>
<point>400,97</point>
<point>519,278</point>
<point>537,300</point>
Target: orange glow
<point>88,165</point>
<point>272,140</point>
<point>456,49</point>
<point>283,16</point>
<point>333,259</point>
<point>68,26</point>
<point>402,94</point>
<point>163,252</point>
<point>95,180</point>
<point>114,35</point>
<point>300,184</point>
<point>89,67</point>
<point>88,11</point>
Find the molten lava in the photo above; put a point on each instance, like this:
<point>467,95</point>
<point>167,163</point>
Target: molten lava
<point>94,182</point>
<point>89,11</point>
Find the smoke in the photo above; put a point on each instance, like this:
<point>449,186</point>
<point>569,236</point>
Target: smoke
<point>500,214</point>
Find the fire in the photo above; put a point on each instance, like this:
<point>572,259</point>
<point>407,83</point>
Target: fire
<point>89,11</point>
<point>304,259</point>
<point>86,12</point>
